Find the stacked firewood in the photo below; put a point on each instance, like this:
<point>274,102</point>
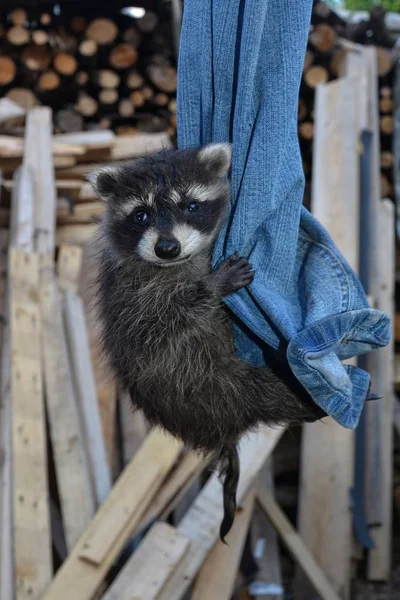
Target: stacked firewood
<point>330,37</point>
<point>94,72</point>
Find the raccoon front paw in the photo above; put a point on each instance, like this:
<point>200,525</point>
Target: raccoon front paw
<point>234,273</point>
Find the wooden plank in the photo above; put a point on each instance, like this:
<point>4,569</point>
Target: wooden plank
<point>379,558</point>
<point>217,576</point>
<point>396,414</point>
<point>78,578</point>
<point>139,144</point>
<point>31,502</point>
<point>106,387</point>
<point>85,390</point>
<point>174,488</point>
<point>327,464</point>
<point>201,523</point>
<point>10,110</point>
<point>69,266</point>
<point>88,139</point>
<point>74,486</point>
<point>268,582</point>
<point>6,520</point>
<point>23,210</point>
<point>163,549</point>
<point>324,588</point>
<point>38,158</point>
<point>75,234</point>
<point>134,427</point>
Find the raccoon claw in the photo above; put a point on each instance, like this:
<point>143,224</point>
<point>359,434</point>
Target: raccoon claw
<point>235,273</point>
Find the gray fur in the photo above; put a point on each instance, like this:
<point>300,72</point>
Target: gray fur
<point>166,331</point>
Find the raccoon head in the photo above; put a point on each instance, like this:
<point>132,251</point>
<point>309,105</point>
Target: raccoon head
<point>165,209</point>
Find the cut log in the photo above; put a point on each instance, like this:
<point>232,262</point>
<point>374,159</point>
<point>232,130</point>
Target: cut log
<point>108,96</point>
<point>36,58</point>
<point>23,97</point>
<point>88,48</point>
<point>82,78</point>
<point>323,38</point>
<point>385,92</point>
<point>137,98</point>
<point>18,16</point>
<point>108,79</point>
<point>40,37</point>
<point>148,92</point>
<point>68,121</point>
<point>161,99</point>
<point>384,61</point>
<point>78,24</point>
<point>306,130</point>
<point>132,36</point>
<point>315,76</point>
<point>122,56</point>
<point>386,161</point>
<point>102,31</point>
<point>148,22</point>
<point>172,105</point>
<point>385,105</point>
<point>18,36</point>
<point>7,70</point>
<point>126,108</point>
<point>48,81</point>
<point>134,80</point>
<point>386,125</point>
<point>86,105</point>
<point>45,19</point>
<point>164,78</point>
<point>66,64</point>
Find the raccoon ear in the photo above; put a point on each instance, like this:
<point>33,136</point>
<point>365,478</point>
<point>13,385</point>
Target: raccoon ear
<point>103,181</point>
<point>217,158</point>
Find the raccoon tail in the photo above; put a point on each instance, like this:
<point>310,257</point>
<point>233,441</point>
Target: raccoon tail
<point>229,474</point>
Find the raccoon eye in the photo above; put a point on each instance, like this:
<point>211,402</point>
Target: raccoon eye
<point>140,216</point>
<point>192,206</point>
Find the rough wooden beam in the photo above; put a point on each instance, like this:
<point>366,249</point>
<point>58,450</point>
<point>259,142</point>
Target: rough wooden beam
<point>32,536</point>
<point>217,576</point>
<point>379,558</point>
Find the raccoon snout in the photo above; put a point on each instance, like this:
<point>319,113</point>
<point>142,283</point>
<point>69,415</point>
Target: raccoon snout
<point>167,248</point>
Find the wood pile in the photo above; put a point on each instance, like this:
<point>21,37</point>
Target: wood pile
<point>330,38</point>
<point>114,73</point>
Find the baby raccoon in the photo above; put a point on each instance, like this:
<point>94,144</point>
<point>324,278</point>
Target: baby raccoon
<point>165,328</point>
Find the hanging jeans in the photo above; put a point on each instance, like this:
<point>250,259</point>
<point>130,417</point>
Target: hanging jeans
<point>239,73</point>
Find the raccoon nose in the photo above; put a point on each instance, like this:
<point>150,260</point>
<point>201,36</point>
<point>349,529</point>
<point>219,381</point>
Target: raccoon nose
<point>167,248</point>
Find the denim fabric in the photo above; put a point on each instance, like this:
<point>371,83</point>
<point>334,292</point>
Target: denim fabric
<point>239,74</point>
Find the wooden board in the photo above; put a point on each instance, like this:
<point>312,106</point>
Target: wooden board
<point>23,210</point>
<point>31,502</point>
<point>268,581</point>
<point>163,549</point>
<point>85,390</point>
<point>6,524</point>
<point>217,576</point>
<point>379,558</point>
<point>327,464</point>
<point>69,266</point>
<point>74,486</point>
<point>201,523</point>
<point>296,546</point>
<point>38,157</point>
<point>79,578</point>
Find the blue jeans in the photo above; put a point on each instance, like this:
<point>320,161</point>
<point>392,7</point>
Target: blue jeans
<point>240,68</point>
